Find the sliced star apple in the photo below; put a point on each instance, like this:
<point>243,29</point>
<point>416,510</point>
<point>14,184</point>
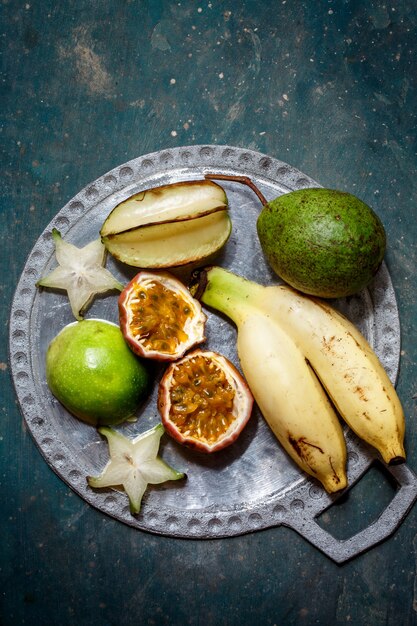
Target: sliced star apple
<point>80,273</point>
<point>134,464</point>
<point>169,226</point>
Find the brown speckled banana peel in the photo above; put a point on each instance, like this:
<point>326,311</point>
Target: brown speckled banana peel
<point>346,366</point>
<point>291,399</point>
<point>285,388</point>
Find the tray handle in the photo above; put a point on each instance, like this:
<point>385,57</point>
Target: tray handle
<point>341,550</point>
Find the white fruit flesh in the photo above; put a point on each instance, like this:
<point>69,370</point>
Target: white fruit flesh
<point>134,463</point>
<point>81,273</point>
<point>171,244</point>
<point>179,201</point>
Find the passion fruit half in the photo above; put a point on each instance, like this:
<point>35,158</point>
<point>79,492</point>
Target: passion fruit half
<point>203,401</point>
<point>159,318</point>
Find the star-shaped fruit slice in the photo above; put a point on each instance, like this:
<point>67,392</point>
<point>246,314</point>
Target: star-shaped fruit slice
<point>134,464</point>
<point>81,273</point>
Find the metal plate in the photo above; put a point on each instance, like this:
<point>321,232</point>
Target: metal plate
<point>252,484</point>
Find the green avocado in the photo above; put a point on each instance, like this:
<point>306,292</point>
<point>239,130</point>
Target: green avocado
<point>323,242</point>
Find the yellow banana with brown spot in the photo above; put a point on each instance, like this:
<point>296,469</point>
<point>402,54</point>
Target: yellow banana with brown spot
<point>291,399</point>
<point>347,367</point>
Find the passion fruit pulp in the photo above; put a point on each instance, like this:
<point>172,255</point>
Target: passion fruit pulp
<point>159,317</point>
<point>204,402</point>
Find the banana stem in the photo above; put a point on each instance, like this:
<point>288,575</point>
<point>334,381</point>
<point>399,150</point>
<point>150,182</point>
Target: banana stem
<point>228,293</point>
<point>244,180</point>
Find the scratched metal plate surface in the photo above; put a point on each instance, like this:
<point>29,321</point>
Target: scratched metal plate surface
<point>249,486</point>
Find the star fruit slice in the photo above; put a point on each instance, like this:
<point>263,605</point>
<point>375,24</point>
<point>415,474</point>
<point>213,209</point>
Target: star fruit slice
<point>134,464</point>
<point>80,272</point>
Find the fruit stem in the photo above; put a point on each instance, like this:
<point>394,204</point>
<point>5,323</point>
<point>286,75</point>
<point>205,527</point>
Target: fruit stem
<point>244,180</point>
<point>231,294</point>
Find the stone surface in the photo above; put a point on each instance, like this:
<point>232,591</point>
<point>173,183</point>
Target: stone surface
<point>327,87</point>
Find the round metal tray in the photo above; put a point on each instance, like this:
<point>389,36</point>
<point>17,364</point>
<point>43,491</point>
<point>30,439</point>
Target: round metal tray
<point>249,486</point>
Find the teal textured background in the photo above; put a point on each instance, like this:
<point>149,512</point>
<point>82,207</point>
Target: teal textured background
<point>329,87</point>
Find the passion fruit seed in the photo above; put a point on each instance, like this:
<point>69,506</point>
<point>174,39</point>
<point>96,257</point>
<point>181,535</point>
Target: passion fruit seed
<point>159,317</point>
<point>204,402</point>
<point>201,399</point>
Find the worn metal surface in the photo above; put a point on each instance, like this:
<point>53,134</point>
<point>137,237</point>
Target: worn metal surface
<point>251,485</point>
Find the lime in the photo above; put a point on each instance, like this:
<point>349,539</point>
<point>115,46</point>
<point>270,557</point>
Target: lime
<point>93,373</point>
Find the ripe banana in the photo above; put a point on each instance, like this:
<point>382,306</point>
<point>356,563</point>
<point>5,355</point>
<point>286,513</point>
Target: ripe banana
<point>286,389</point>
<point>344,362</point>
<point>346,366</point>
